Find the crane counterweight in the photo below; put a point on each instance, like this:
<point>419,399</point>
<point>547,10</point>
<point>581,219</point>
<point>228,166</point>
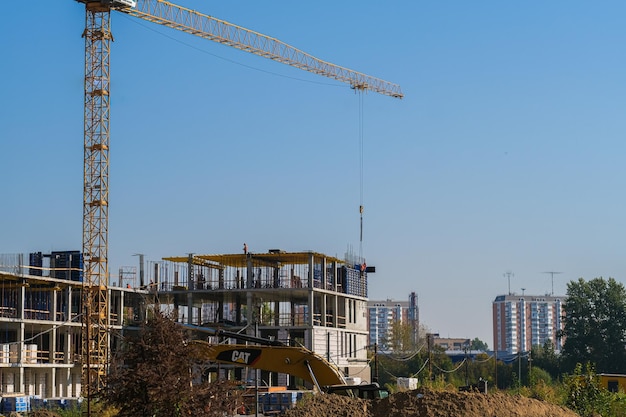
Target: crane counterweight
<point>111,4</point>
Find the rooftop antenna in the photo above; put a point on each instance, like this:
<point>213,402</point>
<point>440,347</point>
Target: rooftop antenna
<point>508,275</point>
<point>552,278</point>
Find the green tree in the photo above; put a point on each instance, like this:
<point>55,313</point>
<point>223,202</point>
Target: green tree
<point>401,337</point>
<point>584,392</point>
<point>152,375</point>
<point>537,375</point>
<point>595,325</point>
<point>506,378</point>
<point>545,357</point>
<point>473,369</point>
<point>483,367</point>
<point>478,344</point>
<point>442,368</point>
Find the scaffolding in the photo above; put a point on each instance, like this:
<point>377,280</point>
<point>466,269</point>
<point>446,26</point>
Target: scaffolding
<point>41,326</point>
<point>302,298</point>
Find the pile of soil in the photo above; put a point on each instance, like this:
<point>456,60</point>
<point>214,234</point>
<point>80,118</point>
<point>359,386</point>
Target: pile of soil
<point>428,403</point>
<point>44,413</point>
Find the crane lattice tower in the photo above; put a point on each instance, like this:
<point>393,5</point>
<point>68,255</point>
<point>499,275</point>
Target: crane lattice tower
<point>98,37</point>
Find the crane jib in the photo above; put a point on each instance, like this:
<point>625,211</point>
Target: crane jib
<point>220,31</point>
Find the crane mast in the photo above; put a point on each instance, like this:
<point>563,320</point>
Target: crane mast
<point>95,339</point>
<point>98,37</point>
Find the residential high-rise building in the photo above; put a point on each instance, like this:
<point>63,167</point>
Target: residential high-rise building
<point>380,322</point>
<point>523,321</point>
<point>384,315</point>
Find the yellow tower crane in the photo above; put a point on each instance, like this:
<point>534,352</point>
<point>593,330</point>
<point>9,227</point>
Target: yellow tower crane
<point>97,34</point>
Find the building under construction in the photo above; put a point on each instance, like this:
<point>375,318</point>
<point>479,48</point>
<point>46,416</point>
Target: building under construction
<point>41,322</point>
<point>305,298</point>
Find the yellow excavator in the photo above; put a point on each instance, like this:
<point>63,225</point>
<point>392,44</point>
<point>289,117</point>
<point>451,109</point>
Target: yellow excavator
<point>275,356</point>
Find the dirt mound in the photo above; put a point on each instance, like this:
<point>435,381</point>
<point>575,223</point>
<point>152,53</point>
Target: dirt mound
<point>427,403</point>
<point>44,413</point>
<point>331,405</point>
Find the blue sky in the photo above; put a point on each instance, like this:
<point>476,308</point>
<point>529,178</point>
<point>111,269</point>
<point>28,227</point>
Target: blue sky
<point>505,155</point>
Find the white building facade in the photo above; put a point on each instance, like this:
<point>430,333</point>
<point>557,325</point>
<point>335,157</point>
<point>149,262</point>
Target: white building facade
<point>383,315</point>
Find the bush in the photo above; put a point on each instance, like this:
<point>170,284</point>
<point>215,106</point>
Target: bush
<point>585,395</point>
<point>546,392</point>
<point>618,406</point>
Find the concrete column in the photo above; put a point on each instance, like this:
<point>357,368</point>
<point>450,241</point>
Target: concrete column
<point>21,298</point>
<point>249,273</point>
<point>189,308</point>
<point>276,278</point>
<point>277,313</point>
<point>68,307</point>
<point>69,389</point>
<point>121,309</point>
<point>54,304</point>
<point>53,334</point>
<point>19,384</point>
<point>310,309</point>
<point>249,308</point>
<point>311,264</point>
<point>53,383</point>
<point>238,309</point>
<point>324,275</point>
<point>67,349</point>
<point>309,336</point>
<point>21,335</point>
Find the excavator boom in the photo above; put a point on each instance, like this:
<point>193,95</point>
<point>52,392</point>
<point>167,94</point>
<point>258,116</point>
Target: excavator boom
<point>295,361</point>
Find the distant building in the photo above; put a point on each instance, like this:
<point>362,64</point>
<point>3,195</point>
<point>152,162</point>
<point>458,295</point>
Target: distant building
<point>455,344</point>
<point>457,349</point>
<point>523,321</point>
<point>384,315</point>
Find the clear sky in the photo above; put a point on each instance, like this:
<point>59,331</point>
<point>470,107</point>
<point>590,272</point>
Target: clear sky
<point>507,153</point>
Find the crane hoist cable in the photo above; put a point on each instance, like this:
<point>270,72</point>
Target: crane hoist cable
<point>361,208</point>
